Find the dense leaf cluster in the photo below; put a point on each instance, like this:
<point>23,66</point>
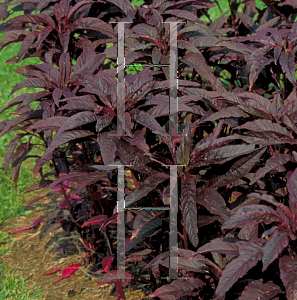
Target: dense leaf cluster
<point>237,116</point>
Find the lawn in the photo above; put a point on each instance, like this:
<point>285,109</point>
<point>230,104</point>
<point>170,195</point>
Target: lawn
<point>11,285</point>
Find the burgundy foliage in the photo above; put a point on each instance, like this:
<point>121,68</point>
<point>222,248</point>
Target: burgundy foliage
<point>237,218</point>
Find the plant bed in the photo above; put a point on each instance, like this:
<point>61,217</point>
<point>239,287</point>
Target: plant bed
<point>33,254</point>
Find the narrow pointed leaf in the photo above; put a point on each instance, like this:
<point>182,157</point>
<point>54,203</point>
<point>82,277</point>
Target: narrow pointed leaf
<point>189,207</point>
<point>287,62</point>
<point>223,246</point>
<point>147,186</point>
<point>33,83</point>
<point>67,272</point>
<point>252,214</point>
<point>273,247</point>
<point>179,288</point>
<point>240,169</point>
<point>107,147</point>
<point>288,273</point>
<point>52,123</point>
<point>106,263</point>
<point>35,223</point>
<point>79,119</point>
<point>249,256</point>
<point>292,189</point>
<point>98,220</point>
<point>259,290</point>
<point>272,163</point>
<point>214,203</point>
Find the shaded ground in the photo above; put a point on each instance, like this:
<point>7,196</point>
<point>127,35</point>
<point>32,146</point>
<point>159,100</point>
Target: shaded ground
<point>31,256</point>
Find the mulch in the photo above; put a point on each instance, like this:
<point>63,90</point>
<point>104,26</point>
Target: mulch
<point>33,255</point>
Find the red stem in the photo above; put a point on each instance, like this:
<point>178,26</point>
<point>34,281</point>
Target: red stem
<point>67,202</point>
<point>185,238</point>
<point>119,290</point>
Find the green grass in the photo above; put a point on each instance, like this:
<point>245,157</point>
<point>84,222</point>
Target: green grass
<point>11,199</point>
<point>12,286</point>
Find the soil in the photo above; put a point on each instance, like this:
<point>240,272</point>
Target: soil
<point>33,255</point>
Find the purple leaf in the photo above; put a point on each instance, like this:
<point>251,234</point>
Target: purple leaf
<point>289,122</point>
<point>214,203</point>
<point>78,7</point>
<point>94,24</point>
<point>51,71</point>
<point>24,99</point>
<point>288,273</point>
<point>52,228</point>
<point>64,39</point>
<point>197,61</point>
<point>104,120</point>
<point>219,22</point>
<point>223,246</point>
<point>17,158</point>
<point>53,123</point>
<point>145,222</point>
<point>124,5</point>
<point>273,247</point>
<point>148,185</point>
<point>249,232</point>
<point>189,208</point>
<point>240,169</point>
<point>258,290</point>
<point>59,140</point>
<point>88,62</point>
<point>179,288</point>
<point>265,125</point>
<point>250,254</point>
<point>259,63</point>
<point>12,37</point>
<point>137,81</point>
<point>80,105</point>
<point>287,62</point>
<point>132,155</point>
<point>35,200</point>
<point>107,147</point>
<point>271,164</point>
<point>33,83</point>
<point>252,214</point>
<point>79,119</point>
<point>98,220</point>
<point>229,152</point>
<point>292,188</point>
<point>26,44</point>
<point>184,14</point>
<point>90,179</point>
<point>209,143</point>
<point>154,264</point>
<point>228,112</point>
<point>147,32</point>
<point>34,19</point>
<point>65,68</point>
<point>10,149</point>
<point>42,35</point>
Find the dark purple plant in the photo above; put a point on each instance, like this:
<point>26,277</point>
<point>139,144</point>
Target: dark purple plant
<point>237,124</point>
